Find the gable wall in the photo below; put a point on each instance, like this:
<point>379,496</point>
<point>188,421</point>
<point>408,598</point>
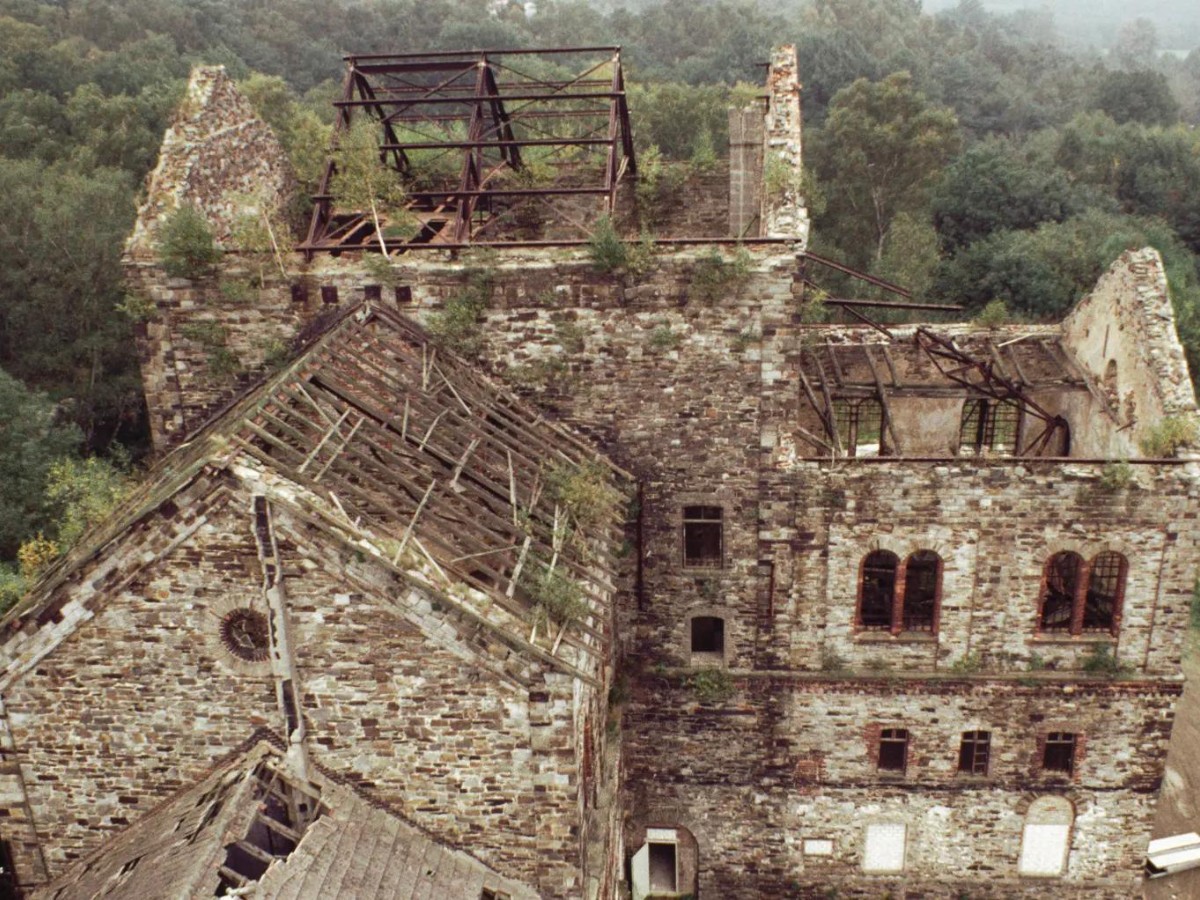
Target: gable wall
<point>141,699</point>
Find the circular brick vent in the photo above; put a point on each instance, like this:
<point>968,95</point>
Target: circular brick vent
<point>244,633</point>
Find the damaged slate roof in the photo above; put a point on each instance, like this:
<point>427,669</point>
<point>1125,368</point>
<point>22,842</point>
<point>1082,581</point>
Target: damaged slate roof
<point>255,826</point>
<point>407,454</point>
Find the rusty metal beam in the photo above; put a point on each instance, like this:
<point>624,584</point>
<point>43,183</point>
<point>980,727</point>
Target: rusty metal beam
<point>892,304</point>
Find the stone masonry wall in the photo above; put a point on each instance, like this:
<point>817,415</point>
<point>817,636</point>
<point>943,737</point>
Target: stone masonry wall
<point>1123,334</point>
<point>98,748</point>
<point>482,763</point>
<point>783,760</point>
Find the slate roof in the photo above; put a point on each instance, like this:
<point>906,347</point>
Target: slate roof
<point>203,836</point>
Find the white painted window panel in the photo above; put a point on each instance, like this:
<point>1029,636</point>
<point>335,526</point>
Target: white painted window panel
<point>818,847</point>
<point>661,835</point>
<point>640,873</point>
<point>884,848</point>
<point>1044,850</point>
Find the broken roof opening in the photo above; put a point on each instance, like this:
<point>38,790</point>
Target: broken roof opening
<point>484,142</point>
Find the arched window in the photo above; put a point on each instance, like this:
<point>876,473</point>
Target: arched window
<point>900,596</point>
<point>1105,590</point>
<point>922,578</point>
<point>1078,596</point>
<point>877,593</point>
<point>1046,837</point>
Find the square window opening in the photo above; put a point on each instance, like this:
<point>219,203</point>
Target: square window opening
<point>1059,753</point>
<point>708,634</point>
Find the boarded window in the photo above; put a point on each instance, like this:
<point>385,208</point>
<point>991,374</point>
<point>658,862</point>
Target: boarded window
<point>974,751</point>
<point>883,847</point>
<point>1059,752</point>
<point>708,634</point>
<point>893,749</point>
<point>922,573</point>
<point>877,593</point>
<point>1046,837</point>
<point>702,536</point>
<point>989,425</point>
<point>859,426</point>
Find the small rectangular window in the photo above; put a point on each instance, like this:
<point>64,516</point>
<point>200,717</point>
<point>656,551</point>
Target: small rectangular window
<point>708,634</point>
<point>703,536</point>
<point>1059,754</point>
<point>372,292</point>
<point>974,751</point>
<point>299,292</point>
<point>403,295</point>
<point>329,295</point>
<point>893,749</point>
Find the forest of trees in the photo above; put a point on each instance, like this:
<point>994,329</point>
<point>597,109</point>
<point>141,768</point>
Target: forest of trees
<point>964,154</point>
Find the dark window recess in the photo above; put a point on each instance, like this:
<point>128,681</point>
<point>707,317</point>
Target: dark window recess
<point>493,894</point>
<point>1059,755</point>
<point>708,634</point>
<point>893,749</point>
<point>921,576</point>
<point>299,293</point>
<point>8,875</point>
<point>663,867</point>
<point>974,751</point>
<point>372,292</point>
<point>1058,594</point>
<point>1106,584</point>
<point>329,295</point>
<point>878,591</point>
<point>990,425</point>
<point>859,426</point>
<point>702,536</point>
<point>403,295</point>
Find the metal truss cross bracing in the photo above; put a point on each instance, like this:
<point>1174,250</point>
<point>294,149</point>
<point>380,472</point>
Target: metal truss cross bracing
<point>489,146</point>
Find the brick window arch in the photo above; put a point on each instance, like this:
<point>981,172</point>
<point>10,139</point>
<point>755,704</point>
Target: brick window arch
<point>1079,596</point>
<point>989,425</point>
<point>897,595</point>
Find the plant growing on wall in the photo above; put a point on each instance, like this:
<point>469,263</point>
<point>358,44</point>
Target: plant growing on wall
<point>186,247</point>
<point>711,685</point>
<point>605,247</point>
<point>457,326</point>
<point>1169,436</point>
<point>715,275</point>
<point>362,183</point>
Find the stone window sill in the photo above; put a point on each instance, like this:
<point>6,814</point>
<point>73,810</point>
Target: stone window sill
<point>904,637</point>
<point>1086,640</point>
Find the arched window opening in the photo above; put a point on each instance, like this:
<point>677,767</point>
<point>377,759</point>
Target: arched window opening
<point>877,596</point>
<point>1106,585</point>
<point>1078,596</point>
<point>900,596</point>
<point>860,426</point>
<point>922,576</point>
<point>1059,591</point>
<point>1046,837</point>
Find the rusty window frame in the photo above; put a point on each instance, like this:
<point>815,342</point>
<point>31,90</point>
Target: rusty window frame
<point>893,750</point>
<point>1058,752</point>
<point>991,425</point>
<point>703,528</point>
<point>897,595</point>
<point>974,752</point>
<point>1078,596</point>
<point>852,417</point>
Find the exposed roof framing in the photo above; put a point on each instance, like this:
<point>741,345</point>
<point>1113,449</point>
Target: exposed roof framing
<point>931,364</point>
<point>478,135</point>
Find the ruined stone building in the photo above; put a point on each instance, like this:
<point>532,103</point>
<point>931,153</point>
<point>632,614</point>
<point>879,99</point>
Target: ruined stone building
<point>498,567</point>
